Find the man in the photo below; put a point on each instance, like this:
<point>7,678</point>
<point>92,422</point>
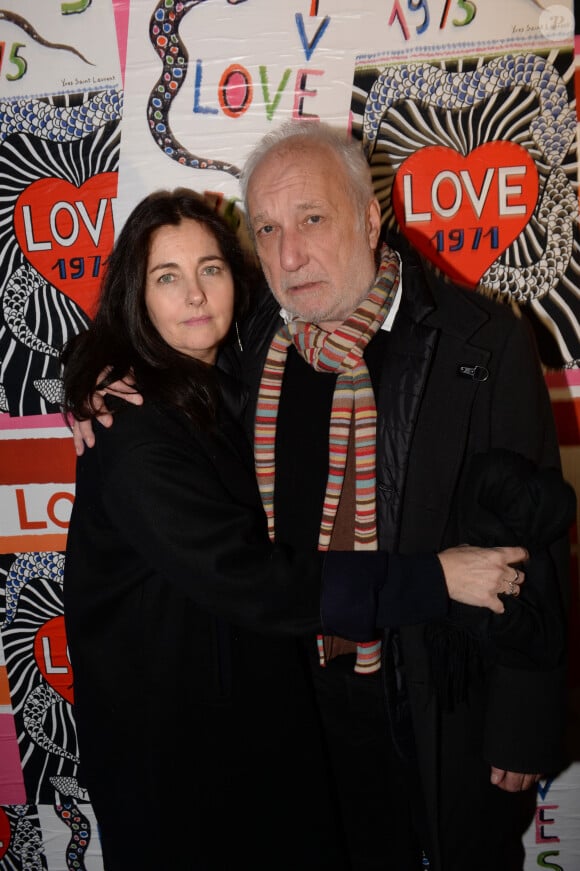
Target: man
<point>472,718</point>
<point>453,375</point>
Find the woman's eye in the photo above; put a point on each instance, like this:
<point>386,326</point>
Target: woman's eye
<point>211,270</point>
<point>166,278</point>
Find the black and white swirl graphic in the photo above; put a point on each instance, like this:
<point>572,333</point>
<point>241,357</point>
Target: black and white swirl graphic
<point>527,99</point>
<point>36,318</point>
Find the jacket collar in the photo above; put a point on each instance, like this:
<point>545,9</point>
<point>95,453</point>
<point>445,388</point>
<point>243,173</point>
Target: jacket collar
<point>429,298</point>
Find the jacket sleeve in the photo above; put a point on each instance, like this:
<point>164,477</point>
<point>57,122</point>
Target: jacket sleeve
<point>175,510</point>
<point>181,514</point>
<point>176,507</point>
<point>530,633</point>
<point>365,590</point>
<point>505,500</point>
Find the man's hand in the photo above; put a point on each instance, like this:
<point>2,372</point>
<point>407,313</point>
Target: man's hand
<point>82,430</point>
<point>512,781</point>
<point>478,575</point>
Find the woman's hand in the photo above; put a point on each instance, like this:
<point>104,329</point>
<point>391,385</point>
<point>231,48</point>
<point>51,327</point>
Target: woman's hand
<point>479,575</point>
<point>82,430</point>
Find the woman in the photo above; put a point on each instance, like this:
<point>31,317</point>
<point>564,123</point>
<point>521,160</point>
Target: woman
<point>198,739</point>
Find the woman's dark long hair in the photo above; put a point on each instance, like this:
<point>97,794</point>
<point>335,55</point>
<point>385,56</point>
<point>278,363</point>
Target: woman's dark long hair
<point>122,339</point>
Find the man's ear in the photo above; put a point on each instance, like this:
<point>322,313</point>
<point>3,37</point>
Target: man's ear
<point>373,223</point>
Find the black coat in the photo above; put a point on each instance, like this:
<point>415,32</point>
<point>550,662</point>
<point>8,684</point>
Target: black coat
<point>460,377</point>
<point>188,722</point>
<point>191,752</point>
<point>514,719</point>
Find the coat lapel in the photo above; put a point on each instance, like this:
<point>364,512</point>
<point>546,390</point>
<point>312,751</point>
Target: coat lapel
<point>429,382</point>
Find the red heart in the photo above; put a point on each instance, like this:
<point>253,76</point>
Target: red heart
<point>5,834</point>
<point>51,655</point>
<point>67,232</point>
<point>462,212</point>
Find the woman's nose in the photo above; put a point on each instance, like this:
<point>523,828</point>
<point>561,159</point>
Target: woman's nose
<point>195,294</point>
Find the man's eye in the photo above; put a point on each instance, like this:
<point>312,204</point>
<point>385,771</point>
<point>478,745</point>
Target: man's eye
<point>265,230</point>
<point>314,219</point>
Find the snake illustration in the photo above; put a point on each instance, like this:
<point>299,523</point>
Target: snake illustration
<point>46,565</point>
<point>21,285</point>
<point>553,130</point>
<point>69,786</point>
<point>24,282</point>
<point>51,389</point>
<point>26,26</point>
<point>164,36</point>
<point>68,811</point>
<point>43,119</point>
<point>27,840</point>
<point>80,829</point>
<point>37,703</point>
<point>524,283</point>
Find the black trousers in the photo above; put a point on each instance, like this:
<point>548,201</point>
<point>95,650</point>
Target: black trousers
<point>379,794</point>
<point>480,826</point>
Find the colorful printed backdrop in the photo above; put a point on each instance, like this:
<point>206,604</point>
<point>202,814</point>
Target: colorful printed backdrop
<point>467,114</point>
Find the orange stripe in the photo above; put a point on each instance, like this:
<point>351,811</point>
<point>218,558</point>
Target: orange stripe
<point>37,461</point>
<point>33,543</point>
<point>4,690</point>
<point>567,417</point>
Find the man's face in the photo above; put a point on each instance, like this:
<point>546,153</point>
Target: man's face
<point>316,249</point>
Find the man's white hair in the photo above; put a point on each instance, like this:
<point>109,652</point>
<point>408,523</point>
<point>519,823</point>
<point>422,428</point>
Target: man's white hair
<point>293,135</point>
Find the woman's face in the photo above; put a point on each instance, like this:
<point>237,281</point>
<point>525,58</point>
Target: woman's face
<point>189,289</point>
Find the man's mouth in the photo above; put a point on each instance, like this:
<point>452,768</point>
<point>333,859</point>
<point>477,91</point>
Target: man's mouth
<point>303,287</point>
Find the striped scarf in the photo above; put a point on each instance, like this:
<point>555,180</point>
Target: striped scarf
<point>353,405</point>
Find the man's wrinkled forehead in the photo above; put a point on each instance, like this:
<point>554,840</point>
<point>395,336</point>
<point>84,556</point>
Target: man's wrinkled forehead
<point>296,160</point>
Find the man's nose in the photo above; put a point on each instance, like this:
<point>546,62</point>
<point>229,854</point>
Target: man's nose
<point>293,252</point>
